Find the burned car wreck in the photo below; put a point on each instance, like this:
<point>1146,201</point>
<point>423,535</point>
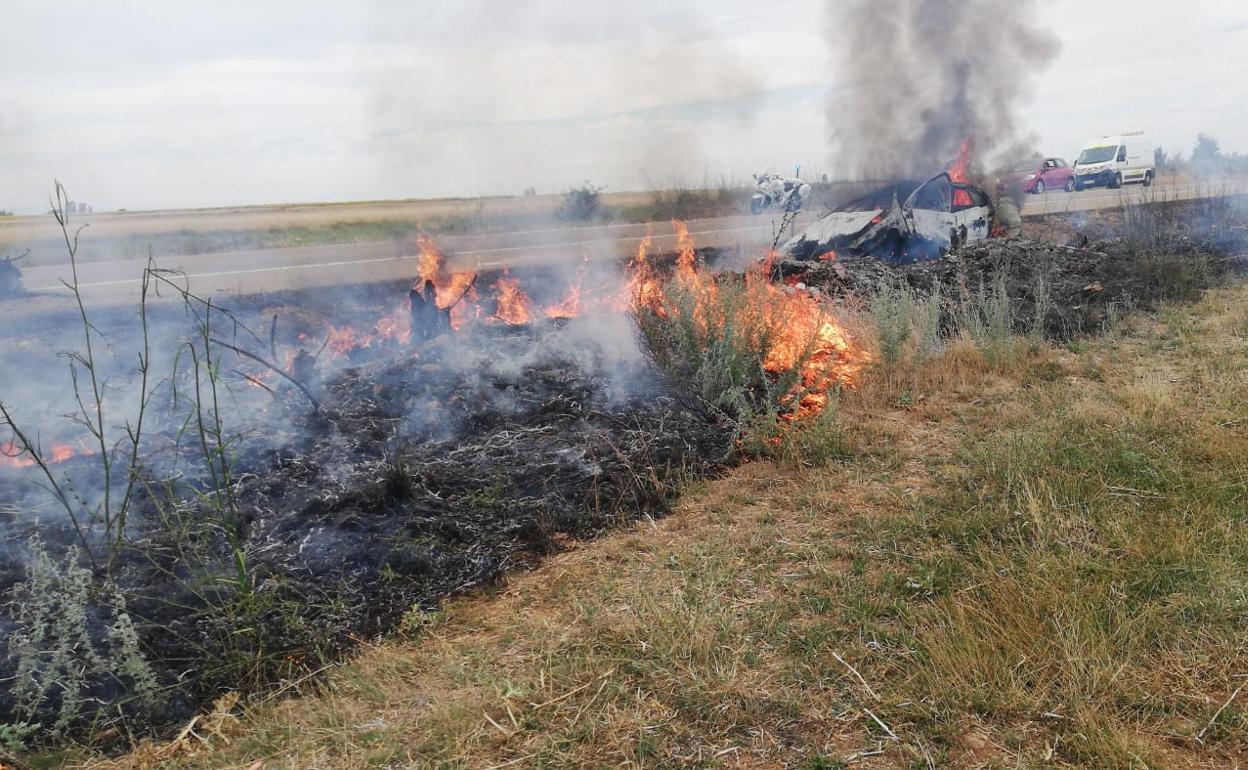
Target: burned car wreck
<point>902,222</point>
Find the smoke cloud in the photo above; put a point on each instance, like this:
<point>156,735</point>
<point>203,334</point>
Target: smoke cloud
<point>549,93</point>
<point>920,77</point>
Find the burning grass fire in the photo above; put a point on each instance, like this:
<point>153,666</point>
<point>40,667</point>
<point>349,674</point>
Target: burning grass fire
<point>376,460</point>
<point>388,447</point>
<point>797,339</point>
<point>13,455</point>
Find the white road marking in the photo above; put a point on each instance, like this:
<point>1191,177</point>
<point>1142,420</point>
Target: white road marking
<point>378,260</point>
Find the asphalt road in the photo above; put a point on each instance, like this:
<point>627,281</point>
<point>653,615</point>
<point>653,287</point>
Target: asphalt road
<point>238,273</point>
<point>232,274</point>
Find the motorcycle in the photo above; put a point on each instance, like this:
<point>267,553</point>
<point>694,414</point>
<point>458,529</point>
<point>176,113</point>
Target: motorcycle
<point>773,192</point>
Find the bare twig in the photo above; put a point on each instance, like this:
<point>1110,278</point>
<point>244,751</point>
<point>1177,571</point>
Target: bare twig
<point>316,405</point>
<point>1200,736</point>
<point>854,671</point>
<point>789,219</point>
<point>259,383</point>
<point>883,726</point>
<point>467,289</point>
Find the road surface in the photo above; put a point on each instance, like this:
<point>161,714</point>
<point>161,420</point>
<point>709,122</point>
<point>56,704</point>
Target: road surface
<point>231,274</point>
<point>257,272</point>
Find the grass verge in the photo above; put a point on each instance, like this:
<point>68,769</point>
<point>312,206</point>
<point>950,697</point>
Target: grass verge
<point>1035,557</point>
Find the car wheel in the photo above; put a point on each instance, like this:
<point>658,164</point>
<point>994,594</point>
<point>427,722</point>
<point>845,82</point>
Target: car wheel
<point>1148,179</point>
<point>1117,183</point>
<point>756,206</point>
<point>794,205</point>
<point>1039,187</point>
<point>1070,185</point>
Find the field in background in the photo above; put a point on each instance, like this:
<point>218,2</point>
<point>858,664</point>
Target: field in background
<point>129,235</point>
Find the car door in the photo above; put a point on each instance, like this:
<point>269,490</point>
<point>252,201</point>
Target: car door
<point>929,209</point>
<point>1049,175</point>
<point>971,213</point>
<point>1061,174</point>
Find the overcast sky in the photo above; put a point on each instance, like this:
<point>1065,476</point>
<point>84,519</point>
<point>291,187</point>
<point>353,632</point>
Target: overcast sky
<point>145,104</point>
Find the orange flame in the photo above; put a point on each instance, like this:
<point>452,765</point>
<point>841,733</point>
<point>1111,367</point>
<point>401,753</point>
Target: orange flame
<point>960,170</point>
<point>514,306</point>
<point>432,260</point>
<point>686,256</point>
<point>807,335</point>
<point>570,305</point>
<point>644,289</point>
<point>342,340</point>
<point>801,332</point>
<point>12,455</point>
<point>451,289</point>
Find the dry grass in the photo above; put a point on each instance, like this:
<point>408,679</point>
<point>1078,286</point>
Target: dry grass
<point>203,231</point>
<point>1036,558</point>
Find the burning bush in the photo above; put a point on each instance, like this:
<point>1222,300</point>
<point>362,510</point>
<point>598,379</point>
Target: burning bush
<point>741,346</point>
<point>715,354</point>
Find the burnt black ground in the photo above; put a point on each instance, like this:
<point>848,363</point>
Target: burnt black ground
<point>426,472</point>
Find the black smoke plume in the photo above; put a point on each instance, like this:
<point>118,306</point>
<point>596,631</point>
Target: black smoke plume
<point>921,76</point>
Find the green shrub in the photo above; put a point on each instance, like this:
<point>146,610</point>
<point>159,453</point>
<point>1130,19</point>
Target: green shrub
<point>60,658</point>
<point>581,204</point>
<point>710,348</point>
<point>13,738</point>
<point>892,311</point>
<point>986,317</point>
<point>928,313</point>
<point>684,203</point>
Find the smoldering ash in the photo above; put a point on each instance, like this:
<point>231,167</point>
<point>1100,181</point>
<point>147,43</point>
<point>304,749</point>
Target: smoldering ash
<point>920,77</point>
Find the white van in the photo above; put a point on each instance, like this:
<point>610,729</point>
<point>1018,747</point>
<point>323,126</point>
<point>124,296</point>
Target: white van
<point>1113,161</point>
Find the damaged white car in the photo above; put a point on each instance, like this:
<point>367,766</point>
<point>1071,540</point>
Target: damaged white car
<point>903,222</point>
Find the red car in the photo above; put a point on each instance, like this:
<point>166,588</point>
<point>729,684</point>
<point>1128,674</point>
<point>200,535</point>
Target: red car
<point>1037,176</point>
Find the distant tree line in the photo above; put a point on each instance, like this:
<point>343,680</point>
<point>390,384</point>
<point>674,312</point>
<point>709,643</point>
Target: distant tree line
<point>1206,158</point>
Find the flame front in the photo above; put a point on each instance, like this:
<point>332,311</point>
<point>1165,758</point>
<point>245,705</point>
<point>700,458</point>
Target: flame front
<point>514,306</point>
<point>570,305</point>
<point>791,325</point>
<point>432,260</point>
<point>686,255</point>
<point>452,288</point>
<point>644,289</point>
